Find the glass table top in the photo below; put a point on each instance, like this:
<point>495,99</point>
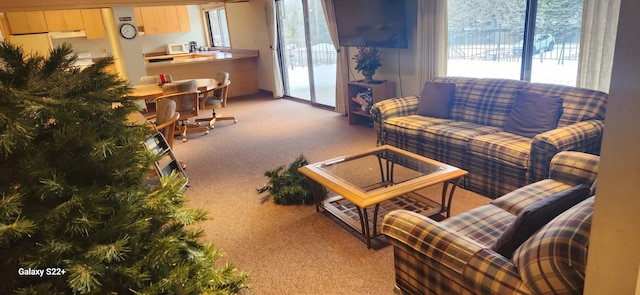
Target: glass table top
<point>379,168</point>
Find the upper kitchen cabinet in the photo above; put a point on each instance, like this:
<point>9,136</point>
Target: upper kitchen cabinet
<point>93,24</point>
<point>63,20</point>
<point>181,15</point>
<point>26,22</point>
<point>162,19</point>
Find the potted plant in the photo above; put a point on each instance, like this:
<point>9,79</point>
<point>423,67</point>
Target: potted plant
<point>367,61</point>
<point>288,186</point>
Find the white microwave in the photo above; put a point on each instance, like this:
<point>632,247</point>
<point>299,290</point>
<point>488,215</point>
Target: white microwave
<point>177,48</point>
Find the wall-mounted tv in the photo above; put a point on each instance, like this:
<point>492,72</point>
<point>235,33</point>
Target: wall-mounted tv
<point>376,23</point>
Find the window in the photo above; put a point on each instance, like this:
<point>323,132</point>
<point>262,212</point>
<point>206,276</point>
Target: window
<point>217,25</point>
<point>532,40</point>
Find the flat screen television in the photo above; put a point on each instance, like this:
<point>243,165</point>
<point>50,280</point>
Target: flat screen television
<point>376,23</point>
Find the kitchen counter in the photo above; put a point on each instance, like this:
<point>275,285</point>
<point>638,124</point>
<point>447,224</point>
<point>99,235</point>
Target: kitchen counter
<point>197,57</point>
<point>241,64</point>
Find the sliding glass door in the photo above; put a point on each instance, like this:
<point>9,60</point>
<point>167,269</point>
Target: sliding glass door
<point>307,54</point>
<point>532,40</point>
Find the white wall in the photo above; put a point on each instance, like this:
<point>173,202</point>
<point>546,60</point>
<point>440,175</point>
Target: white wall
<point>248,30</point>
<point>398,65</point>
<point>614,251</point>
<point>247,27</point>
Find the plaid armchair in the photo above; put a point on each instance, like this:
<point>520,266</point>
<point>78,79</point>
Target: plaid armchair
<point>454,256</point>
<point>472,138</point>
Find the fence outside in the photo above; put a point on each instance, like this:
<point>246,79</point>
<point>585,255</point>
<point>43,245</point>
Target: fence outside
<point>504,45</point>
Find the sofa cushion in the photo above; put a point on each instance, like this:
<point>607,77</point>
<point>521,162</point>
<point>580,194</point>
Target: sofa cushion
<point>490,100</point>
<point>533,114</point>
<point>536,216</point>
<point>436,99</point>
<point>463,86</point>
<point>579,104</point>
<point>553,261</point>
<point>483,224</point>
<point>448,142</point>
<point>503,147</point>
<point>406,132</point>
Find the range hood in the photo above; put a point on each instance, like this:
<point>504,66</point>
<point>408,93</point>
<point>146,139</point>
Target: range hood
<point>68,34</point>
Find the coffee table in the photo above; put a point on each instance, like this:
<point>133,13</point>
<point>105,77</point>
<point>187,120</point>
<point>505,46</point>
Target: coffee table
<point>380,179</point>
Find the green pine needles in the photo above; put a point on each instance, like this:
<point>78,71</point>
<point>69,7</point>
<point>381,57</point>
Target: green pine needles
<point>75,214</point>
<point>288,186</point>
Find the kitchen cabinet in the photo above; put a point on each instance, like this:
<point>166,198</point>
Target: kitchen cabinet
<point>162,19</point>
<point>162,23</point>
<point>93,24</point>
<point>183,18</point>
<point>147,22</point>
<point>63,20</point>
<point>26,22</point>
<point>30,22</point>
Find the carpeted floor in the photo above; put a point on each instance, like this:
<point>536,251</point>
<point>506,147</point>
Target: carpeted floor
<point>285,249</point>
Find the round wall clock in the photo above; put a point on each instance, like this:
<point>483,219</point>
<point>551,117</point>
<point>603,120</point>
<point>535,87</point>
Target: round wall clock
<point>128,31</point>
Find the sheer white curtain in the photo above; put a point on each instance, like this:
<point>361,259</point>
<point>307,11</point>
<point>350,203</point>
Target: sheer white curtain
<point>342,71</point>
<point>270,12</point>
<point>431,40</point>
<point>597,43</point>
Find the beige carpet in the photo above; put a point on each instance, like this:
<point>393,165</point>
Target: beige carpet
<point>285,249</point>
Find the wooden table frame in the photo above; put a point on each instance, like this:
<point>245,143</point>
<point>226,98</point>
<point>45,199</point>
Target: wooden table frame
<point>149,92</point>
<point>386,192</point>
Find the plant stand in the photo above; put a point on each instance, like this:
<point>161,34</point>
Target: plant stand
<point>380,90</point>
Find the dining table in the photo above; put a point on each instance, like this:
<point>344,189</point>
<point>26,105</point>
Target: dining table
<point>149,92</point>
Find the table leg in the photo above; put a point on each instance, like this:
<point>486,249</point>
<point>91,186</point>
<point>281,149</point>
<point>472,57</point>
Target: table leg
<point>364,222</point>
<point>318,193</point>
<point>447,197</point>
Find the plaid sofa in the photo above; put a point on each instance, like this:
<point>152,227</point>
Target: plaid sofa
<point>454,256</point>
<point>472,139</point>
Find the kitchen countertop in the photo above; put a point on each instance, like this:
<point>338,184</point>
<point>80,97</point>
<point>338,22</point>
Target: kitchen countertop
<point>158,61</point>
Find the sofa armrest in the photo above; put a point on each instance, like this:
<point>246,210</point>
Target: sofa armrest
<point>574,168</point>
<point>583,136</point>
<point>389,108</point>
<point>457,258</point>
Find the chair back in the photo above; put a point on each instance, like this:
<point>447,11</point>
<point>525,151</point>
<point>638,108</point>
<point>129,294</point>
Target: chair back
<point>150,80</point>
<point>186,103</point>
<point>222,77</point>
<point>166,117</point>
<point>183,86</point>
<point>219,97</point>
<point>165,110</point>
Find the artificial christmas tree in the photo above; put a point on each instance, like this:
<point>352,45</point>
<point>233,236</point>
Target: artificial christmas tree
<point>75,214</point>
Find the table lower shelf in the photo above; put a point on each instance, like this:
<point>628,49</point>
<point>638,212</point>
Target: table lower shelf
<point>347,212</point>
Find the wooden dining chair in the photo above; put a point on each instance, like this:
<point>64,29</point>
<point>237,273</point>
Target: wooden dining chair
<point>165,118</point>
<point>165,121</point>
<point>185,94</point>
<point>142,103</point>
<point>217,99</point>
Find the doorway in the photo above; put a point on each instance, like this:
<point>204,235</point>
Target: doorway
<point>306,52</point>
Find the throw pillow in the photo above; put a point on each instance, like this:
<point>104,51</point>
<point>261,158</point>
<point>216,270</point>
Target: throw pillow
<point>535,216</point>
<point>436,99</point>
<point>533,114</point>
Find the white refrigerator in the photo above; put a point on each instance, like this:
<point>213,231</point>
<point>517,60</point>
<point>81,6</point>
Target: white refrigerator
<point>33,43</point>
